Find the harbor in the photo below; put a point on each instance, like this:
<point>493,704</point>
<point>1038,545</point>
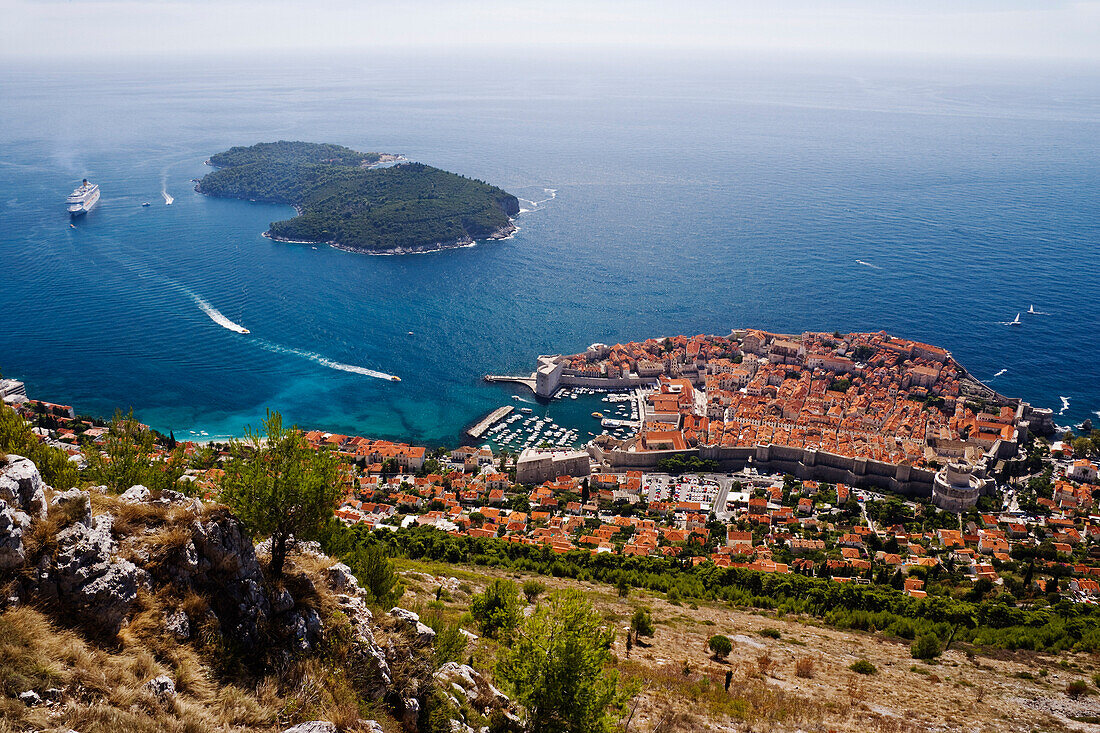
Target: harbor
<point>478,430</point>
<point>574,417</point>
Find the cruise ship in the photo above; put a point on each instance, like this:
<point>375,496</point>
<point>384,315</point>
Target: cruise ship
<point>83,198</point>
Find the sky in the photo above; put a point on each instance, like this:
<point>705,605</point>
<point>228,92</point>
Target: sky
<point>1039,29</point>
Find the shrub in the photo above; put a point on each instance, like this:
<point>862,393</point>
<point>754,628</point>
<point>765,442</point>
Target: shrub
<point>862,666</point>
<point>805,667</point>
<point>1077,688</point>
<point>770,633</point>
<point>558,668</point>
<point>720,645</point>
<point>1096,679</point>
<point>497,609</point>
<point>641,624</point>
<point>927,646</point>
<point>532,589</point>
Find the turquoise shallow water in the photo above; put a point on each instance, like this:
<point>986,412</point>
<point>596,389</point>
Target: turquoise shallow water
<point>674,197</point>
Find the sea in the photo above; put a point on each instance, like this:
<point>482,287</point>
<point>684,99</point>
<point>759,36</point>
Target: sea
<point>662,194</point>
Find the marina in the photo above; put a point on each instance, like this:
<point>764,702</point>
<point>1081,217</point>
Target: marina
<point>574,417</point>
<point>478,430</point>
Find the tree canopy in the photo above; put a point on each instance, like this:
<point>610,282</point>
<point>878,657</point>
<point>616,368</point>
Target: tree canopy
<point>342,200</point>
<point>556,668</point>
<point>280,487</point>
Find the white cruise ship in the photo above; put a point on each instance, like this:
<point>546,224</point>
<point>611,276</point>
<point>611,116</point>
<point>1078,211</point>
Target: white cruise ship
<point>83,198</point>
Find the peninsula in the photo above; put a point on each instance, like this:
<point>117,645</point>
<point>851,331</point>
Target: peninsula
<point>345,201</point>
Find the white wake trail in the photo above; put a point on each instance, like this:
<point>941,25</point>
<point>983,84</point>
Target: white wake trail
<point>216,315</point>
<point>325,361</point>
<point>167,199</point>
<point>999,373</point>
<point>1065,404</point>
<point>868,264</point>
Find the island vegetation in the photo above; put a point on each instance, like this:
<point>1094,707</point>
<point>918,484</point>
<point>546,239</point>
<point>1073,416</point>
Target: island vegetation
<point>344,201</point>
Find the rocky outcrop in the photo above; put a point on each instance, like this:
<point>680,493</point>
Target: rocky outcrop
<point>13,523</point>
<point>85,575</point>
<point>162,687</point>
<point>22,487</point>
<point>464,684</point>
<point>351,599</point>
<point>135,494</point>
<point>411,621</point>
<point>313,726</point>
<point>224,565</point>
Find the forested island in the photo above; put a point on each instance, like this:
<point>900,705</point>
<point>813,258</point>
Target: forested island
<point>343,201</point>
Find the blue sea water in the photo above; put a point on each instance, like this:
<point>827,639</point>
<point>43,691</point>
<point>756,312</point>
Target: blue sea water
<point>690,195</point>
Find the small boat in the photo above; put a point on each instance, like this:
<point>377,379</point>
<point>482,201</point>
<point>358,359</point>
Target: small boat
<point>72,226</point>
<point>1016,322</point>
<point>245,330</point>
<point>146,204</point>
<point>395,379</point>
<point>598,415</point>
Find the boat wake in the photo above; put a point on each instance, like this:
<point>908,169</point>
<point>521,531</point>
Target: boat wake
<point>325,361</point>
<point>216,315</point>
<point>167,199</point>
<point>998,374</point>
<point>868,264</point>
<point>1065,405</point>
<point>552,194</point>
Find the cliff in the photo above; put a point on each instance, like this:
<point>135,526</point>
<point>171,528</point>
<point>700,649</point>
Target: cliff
<point>154,611</point>
<point>342,201</point>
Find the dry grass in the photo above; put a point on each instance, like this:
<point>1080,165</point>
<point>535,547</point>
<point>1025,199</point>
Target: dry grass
<point>804,667</point>
<point>804,682</point>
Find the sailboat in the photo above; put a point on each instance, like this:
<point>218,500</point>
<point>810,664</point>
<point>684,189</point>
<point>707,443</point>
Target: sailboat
<point>1031,310</point>
<point>1015,322</point>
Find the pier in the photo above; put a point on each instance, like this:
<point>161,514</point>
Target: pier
<point>528,381</point>
<point>478,430</point>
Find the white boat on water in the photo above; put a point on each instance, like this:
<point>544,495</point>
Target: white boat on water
<point>1016,322</point>
<point>83,198</point>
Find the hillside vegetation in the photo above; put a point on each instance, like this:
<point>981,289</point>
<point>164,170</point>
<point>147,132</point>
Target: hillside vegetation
<point>344,202</point>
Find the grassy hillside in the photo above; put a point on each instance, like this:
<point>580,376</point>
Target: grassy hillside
<point>342,201</point>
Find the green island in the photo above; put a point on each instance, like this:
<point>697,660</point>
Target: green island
<point>344,201</point>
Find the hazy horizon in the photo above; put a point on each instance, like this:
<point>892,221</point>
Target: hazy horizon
<point>991,29</point>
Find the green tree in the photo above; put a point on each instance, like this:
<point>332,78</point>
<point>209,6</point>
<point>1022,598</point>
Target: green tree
<point>532,589</point>
<point>280,487</point>
<point>641,624</point>
<point>927,646</point>
<point>375,573</point>
<point>16,438</point>
<point>720,645</point>
<point>497,609</point>
<point>557,668</point>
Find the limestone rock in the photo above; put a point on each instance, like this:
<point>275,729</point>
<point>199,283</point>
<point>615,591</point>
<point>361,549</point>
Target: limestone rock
<point>22,487</point>
<point>226,565</point>
<point>136,494</point>
<point>424,634</point>
<point>303,629</point>
<point>163,686</point>
<point>78,503</point>
<point>313,726</point>
<point>178,625</point>
<point>12,524</point>
<point>89,578</point>
<point>30,698</point>
<point>371,726</point>
<point>411,716</point>
<point>281,601</point>
<point>464,684</point>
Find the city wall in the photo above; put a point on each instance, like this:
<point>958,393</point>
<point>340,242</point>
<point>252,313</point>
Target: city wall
<point>804,463</point>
